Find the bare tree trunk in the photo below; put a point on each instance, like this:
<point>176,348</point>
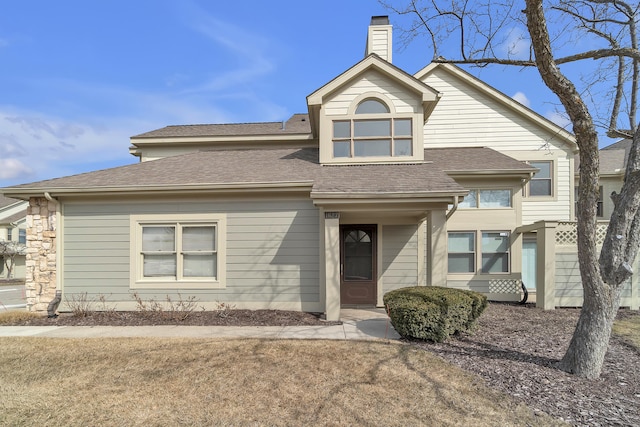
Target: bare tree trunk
<point>588,346</point>
<point>590,341</point>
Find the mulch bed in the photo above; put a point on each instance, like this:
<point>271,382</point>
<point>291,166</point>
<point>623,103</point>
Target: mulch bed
<point>195,318</point>
<point>514,348</point>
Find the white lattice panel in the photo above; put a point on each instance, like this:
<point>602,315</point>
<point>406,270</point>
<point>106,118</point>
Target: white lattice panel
<point>504,286</point>
<point>567,235</point>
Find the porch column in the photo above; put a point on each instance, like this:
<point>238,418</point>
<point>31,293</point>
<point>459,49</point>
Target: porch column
<point>332,264</point>
<point>546,266</point>
<point>437,237</point>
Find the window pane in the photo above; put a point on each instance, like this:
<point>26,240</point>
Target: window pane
<point>495,263</point>
<point>470,200</point>
<point>461,263</point>
<point>342,129</point>
<point>461,242</point>
<point>159,265</point>
<point>545,169</point>
<point>371,106</point>
<point>158,239</point>
<point>366,148</point>
<point>22,235</point>
<point>402,147</point>
<point>341,149</point>
<point>372,128</point>
<point>495,198</point>
<point>540,187</point>
<point>200,265</point>
<point>402,127</point>
<point>495,242</point>
<point>199,239</point>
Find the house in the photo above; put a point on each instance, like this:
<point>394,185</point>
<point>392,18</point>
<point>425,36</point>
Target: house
<point>389,180</point>
<point>13,228</point>
<point>613,163</point>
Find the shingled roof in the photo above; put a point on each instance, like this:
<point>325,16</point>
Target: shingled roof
<point>215,169</point>
<point>297,124</point>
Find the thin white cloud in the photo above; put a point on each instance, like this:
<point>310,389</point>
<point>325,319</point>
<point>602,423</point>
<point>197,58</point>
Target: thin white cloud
<point>14,168</point>
<point>4,42</point>
<point>522,99</point>
<point>560,119</point>
<point>250,49</point>
<point>516,43</point>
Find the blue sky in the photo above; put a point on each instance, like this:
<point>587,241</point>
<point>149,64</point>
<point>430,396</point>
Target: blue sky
<point>78,77</point>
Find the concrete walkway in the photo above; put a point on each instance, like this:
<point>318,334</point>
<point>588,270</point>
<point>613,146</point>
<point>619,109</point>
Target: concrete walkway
<point>358,324</point>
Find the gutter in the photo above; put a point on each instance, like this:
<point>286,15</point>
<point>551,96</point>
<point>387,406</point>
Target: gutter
<point>454,208</point>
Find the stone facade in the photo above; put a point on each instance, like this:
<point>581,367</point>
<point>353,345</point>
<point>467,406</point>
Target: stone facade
<point>41,253</point>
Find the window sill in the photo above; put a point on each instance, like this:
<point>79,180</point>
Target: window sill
<point>175,284</point>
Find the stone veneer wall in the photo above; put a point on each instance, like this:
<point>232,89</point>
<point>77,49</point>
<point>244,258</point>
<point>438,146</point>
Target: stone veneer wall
<point>41,254</point>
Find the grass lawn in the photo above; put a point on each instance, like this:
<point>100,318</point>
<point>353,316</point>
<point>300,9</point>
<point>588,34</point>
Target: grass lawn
<point>629,330</point>
<point>45,381</point>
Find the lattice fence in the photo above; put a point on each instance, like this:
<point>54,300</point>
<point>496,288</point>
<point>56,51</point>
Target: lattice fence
<point>566,233</point>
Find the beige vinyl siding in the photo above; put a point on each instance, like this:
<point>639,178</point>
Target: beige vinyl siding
<point>272,250</point>
<point>465,117</point>
<point>380,42</point>
<point>558,207</point>
<point>403,100</point>
<point>399,256</point>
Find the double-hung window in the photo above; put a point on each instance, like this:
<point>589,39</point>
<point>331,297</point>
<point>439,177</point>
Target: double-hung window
<point>187,251</point>
<point>492,246</point>
<point>373,134</point>
<point>542,182</point>
<point>495,252</point>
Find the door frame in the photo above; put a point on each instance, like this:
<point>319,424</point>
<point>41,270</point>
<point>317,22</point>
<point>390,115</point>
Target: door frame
<point>374,262</point>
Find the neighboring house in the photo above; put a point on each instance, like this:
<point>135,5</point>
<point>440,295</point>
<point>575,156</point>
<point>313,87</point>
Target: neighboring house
<point>613,162</point>
<point>390,180</point>
<point>13,227</point>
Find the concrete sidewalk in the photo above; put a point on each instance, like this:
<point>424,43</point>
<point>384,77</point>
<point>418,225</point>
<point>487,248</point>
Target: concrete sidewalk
<point>358,324</point>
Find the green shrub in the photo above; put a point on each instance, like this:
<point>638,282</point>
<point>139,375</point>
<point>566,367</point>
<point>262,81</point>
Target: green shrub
<point>433,313</point>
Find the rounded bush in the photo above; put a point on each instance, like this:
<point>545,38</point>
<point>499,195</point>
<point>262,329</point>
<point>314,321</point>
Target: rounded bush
<point>433,313</point>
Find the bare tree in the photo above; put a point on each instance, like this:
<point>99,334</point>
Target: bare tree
<point>553,32</point>
<point>9,251</point>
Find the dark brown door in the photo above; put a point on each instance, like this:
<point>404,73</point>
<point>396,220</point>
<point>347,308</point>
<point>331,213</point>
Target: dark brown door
<point>358,264</point>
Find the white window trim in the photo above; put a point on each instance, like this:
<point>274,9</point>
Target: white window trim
<point>137,281</point>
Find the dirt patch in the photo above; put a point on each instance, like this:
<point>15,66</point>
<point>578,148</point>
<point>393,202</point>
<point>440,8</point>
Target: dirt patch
<point>516,350</point>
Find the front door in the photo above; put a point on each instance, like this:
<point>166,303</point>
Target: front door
<point>358,270</point>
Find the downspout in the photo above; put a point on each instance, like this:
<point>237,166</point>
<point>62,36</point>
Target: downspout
<point>55,302</point>
<point>454,208</point>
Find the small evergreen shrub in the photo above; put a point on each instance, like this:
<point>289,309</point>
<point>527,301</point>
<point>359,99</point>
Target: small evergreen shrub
<point>433,313</point>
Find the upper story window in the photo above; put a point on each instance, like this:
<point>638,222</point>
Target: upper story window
<point>487,199</point>
<point>542,182</point>
<point>374,134</point>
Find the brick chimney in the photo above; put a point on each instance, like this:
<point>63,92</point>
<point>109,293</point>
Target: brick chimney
<point>379,39</point>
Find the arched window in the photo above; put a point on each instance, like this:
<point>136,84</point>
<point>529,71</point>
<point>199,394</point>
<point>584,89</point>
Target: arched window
<point>372,106</point>
<point>374,133</point>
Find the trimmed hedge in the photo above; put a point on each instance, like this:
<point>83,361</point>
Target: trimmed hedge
<point>433,313</point>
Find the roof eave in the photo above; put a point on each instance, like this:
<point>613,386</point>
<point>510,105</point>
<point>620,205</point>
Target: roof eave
<point>25,194</point>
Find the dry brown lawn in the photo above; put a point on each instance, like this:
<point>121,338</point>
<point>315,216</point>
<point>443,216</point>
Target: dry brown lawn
<point>46,381</point>
<point>628,329</point>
